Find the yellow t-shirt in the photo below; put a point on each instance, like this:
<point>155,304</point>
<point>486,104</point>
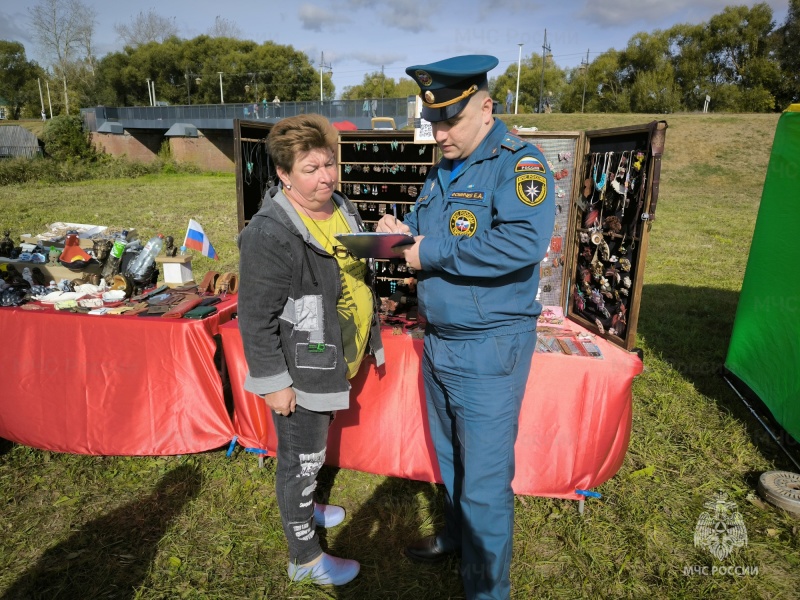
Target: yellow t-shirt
<point>355,307</point>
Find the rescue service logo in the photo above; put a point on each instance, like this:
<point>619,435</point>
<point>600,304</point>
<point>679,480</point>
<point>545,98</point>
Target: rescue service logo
<point>720,530</point>
<point>531,188</point>
<point>463,222</point>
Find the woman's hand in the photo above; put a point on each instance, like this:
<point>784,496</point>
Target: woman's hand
<point>283,402</point>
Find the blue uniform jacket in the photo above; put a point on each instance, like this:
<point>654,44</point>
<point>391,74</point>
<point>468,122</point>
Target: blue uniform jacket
<point>485,233</point>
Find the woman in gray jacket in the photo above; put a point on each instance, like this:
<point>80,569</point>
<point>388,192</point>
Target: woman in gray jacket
<point>307,316</point>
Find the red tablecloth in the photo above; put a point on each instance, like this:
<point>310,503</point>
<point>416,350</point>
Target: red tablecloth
<point>112,384</point>
<point>574,427</point>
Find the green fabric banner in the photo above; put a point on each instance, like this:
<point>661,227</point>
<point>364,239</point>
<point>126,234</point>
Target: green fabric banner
<point>764,351</point>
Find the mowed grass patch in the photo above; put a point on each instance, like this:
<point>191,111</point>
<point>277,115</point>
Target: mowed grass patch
<point>214,531</point>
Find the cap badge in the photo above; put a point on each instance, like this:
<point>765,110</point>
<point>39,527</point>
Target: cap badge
<point>423,77</point>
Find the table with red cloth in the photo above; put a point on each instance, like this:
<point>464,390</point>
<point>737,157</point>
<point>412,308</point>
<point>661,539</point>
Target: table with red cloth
<point>574,426</point>
<point>112,384</point>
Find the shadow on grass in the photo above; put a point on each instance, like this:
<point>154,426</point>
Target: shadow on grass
<point>111,555</point>
<point>378,532</point>
<point>5,446</point>
<point>690,328</point>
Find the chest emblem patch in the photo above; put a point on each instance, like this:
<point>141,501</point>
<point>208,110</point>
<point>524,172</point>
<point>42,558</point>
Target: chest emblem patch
<point>529,164</point>
<point>463,222</point>
<point>531,188</point>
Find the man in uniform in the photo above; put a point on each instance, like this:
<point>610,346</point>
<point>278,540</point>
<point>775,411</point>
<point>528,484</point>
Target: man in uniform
<point>482,224</point>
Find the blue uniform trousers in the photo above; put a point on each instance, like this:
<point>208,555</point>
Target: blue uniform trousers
<point>474,391</point>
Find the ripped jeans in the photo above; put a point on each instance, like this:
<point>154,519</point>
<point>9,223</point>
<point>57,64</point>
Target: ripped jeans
<point>302,439</point>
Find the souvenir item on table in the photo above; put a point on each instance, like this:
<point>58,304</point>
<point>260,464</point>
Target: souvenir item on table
<point>53,255</point>
<point>6,244</point>
<point>111,267</point>
<point>101,248</point>
<point>73,256</point>
<point>169,246</point>
<point>143,266</point>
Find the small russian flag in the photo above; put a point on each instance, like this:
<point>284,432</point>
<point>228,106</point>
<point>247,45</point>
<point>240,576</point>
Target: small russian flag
<point>196,239</point>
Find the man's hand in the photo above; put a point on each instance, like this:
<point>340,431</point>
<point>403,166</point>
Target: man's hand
<point>391,224</point>
<point>411,253</point>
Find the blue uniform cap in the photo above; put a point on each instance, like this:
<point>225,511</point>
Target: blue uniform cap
<point>447,85</point>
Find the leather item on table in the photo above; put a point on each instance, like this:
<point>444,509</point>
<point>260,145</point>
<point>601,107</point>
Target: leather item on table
<point>154,311</point>
<point>176,312</point>
<point>208,283</point>
<point>150,293</point>
<point>429,550</point>
<point>200,312</point>
<point>164,299</point>
<point>189,287</point>
<point>138,308</point>
<point>227,283</point>
<point>210,300</point>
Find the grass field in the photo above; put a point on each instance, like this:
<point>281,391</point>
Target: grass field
<point>206,526</point>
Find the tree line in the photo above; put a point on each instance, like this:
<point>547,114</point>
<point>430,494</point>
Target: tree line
<point>740,58</point>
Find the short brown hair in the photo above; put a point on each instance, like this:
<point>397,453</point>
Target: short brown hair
<point>292,136</point>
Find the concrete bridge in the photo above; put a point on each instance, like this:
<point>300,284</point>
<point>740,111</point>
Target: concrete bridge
<point>204,134</point>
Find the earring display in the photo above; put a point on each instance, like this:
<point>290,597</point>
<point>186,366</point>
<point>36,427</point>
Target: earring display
<point>391,169</point>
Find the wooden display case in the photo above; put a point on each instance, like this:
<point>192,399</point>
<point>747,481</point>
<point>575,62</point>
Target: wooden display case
<point>612,178</point>
<point>255,173</point>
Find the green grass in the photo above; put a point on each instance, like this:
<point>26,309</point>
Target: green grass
<point>206,526</point>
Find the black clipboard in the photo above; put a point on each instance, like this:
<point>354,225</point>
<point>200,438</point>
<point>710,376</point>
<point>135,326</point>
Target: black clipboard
<point>370,244</point>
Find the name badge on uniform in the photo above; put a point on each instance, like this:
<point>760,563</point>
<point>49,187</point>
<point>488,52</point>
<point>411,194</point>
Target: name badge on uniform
<point>467,196</point>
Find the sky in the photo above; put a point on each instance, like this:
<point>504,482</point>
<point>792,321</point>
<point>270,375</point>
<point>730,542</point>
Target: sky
<point>354,37</point>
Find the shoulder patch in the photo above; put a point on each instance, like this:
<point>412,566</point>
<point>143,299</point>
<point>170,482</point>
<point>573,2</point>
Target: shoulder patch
<point>512,142</point>
<point>531,188</point>
<point>529,164</point>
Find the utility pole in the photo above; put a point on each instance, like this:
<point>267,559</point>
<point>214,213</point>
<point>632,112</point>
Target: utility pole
<point>49,102</point>
<point>322,66</point>
<point>545,51</point>
<point>66,97</point>
<point>519,65</point>
<point>221,97</point>
<point>585,66</point>
<point>41,98</point>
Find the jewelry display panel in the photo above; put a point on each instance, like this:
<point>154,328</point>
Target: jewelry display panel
<point>383,172</point>
<point>614,211</point>
<point>559,148</point>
